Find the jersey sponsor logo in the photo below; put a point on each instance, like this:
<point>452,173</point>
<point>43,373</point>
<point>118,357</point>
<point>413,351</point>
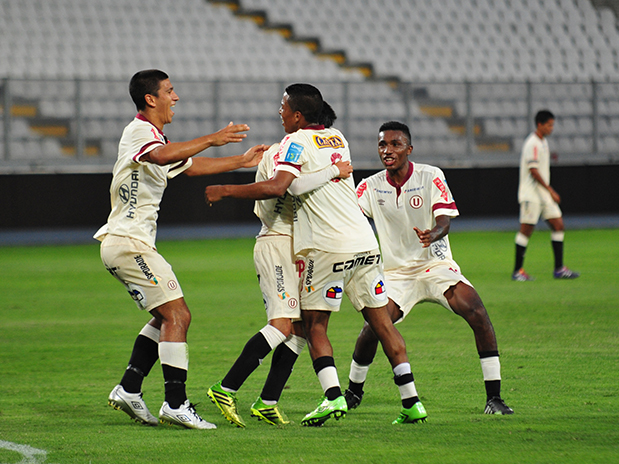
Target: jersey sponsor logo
<point>380,290</point>
<point>133,193</point>
<point>336,158</point>
<point>416,201</point>
<point>365,260</point>
<point>441,186</point>
<point>332,293</point>
<point>293,155</point>
<point>135,291</point>
<point>439,249</point>
<point>361,189</point>
<point>332,141</point>
<point>145,269</point>
<point>310,273</point>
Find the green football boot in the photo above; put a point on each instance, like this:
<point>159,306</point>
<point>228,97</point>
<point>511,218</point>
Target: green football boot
<point>326,409</point>
<point>226,402</point>
<point>416,413</point>
<point>270,414</point>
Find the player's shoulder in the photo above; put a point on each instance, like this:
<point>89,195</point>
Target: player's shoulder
<point>378,178</point>
<point>428,170</point>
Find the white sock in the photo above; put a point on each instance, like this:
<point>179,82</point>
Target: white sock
<point>522,239</point>
<point>358,373</point>
<point>557,235</point>
<point>295,343</point>
<point>175,354</point>
<point>491,368</point>
<point>150,332</point>
<point>328,378</point>
<point>407,390</point>
<point>272,335</point>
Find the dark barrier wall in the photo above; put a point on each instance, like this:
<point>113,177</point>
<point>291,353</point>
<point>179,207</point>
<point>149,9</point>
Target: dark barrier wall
<point>82,200</point>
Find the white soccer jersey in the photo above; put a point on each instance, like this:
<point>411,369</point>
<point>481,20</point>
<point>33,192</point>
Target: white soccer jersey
<point>535,154</point>
<point>275,213</point>
<point>327,218</point>
<point>137,187</point>
<point>422,197</point>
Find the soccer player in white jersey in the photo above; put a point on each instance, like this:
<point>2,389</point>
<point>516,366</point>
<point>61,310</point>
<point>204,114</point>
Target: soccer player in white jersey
<point>275,265</point>
<point>337,248</point>
<point>146,160</point>
<point>538,199</point>
<point>412,207</point>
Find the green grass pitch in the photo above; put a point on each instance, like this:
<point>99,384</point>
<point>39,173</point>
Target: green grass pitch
<point>67,328</point>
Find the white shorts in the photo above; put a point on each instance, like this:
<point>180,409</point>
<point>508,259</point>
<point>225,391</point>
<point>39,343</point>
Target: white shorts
<point>279,280</point>
<point>327,276</point>
<point>146,275</point>
<point>530,212</point>
<point>408,286</point>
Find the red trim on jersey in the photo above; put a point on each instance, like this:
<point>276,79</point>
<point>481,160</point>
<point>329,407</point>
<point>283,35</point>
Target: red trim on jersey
<point>141,117</point>
<point>444,206</point>
<point>179,165</point>
<point>316,127</point>
<point>398,188</point>
<point>144,149</point>
<point>296,166</point>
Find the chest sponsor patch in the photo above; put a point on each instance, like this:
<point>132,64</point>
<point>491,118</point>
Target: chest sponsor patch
<point>293,154</point>
<point>328,142</point>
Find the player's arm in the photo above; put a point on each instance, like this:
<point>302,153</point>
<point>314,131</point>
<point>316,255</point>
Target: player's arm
<point>308,182</point>
<point>178,151</point>
<point>202,166</point>
<point>272,188</point>
<point>426,237</point>
<point>538,178</point>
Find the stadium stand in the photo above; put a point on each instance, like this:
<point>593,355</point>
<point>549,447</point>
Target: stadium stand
<point>466,76</point>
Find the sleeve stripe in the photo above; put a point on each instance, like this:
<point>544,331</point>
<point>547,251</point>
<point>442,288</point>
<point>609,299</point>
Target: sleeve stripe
<point>145,148</point>
<point>444,206</point>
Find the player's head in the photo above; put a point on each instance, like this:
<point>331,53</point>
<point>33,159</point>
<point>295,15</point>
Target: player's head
<point>301,106</point>
<point>144,83</point>
<point>327,115</point>
<point>544,122</point>
<point>394,145</point>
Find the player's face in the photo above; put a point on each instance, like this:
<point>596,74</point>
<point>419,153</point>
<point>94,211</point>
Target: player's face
<point>165,101</point>
<point>290,119</point>
<point>546,128</point>
<point>393,149</point>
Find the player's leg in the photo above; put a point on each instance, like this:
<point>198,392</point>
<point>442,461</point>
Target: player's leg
<point>315,324</point>
<point>175,318</point>
<point>395,348</point>
<point>365,350</point>
<point>466,302</point>
<point>522,241</point>
<point>557,236</point>
<point>127,396</point>
<point>284,357</point>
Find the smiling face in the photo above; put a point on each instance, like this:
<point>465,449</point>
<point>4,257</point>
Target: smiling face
<point>290,119</point>
<point>393,149</point>
<point>162,103</point>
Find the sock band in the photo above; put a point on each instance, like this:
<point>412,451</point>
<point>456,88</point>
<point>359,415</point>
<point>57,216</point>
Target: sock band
<point>295,343</point>
<point>491,368</point>
<point>358,373</point>
<point>272,335</point>
<point>522,239</point>
<point>557,235</point>
<point>150,332</point>
<point>175,354</point>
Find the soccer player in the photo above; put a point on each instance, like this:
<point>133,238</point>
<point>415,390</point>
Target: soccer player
<point>337,250</point>
<point>275,265</point>
<point>412,207</point>
<point>537,198</point>
<point>146,160</point>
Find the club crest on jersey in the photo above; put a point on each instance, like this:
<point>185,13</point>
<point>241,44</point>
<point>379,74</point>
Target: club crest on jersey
<point>293,154</point>
<point>416,201</point>
<point>332,293</point>
<point>332,141</point>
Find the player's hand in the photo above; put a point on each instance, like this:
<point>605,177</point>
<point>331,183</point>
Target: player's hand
<point>229,134</point>
<point>345,169</point>
<point>555,196</point>
<point>426,237</point>
<point>213,193</point>
<point>253,156</point>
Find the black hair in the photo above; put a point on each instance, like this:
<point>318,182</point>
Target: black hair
<point>327,116</point>
<point>144,83</point>
<point>396,126</point>
<point>543,116</point>
<point>307,100</point>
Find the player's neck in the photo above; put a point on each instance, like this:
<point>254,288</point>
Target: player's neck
<point>400,175</point>
<point>539,135</point>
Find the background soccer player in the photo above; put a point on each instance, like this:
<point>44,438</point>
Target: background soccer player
<point>412,208</point>
<point>146,160</point>
<point>537,198</point>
